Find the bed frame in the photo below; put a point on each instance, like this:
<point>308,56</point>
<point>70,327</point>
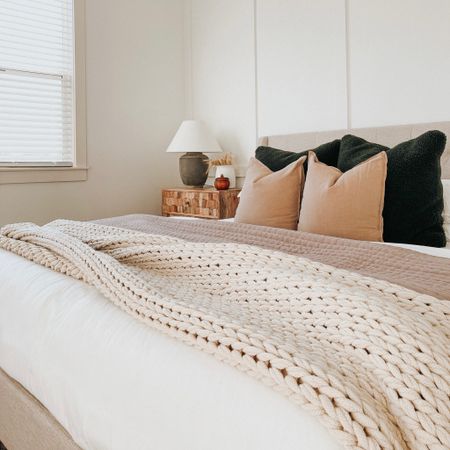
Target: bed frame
<point>25,424</point>
<point>388,136</point>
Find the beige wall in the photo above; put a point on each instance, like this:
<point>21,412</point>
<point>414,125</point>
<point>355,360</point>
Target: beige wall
<point>135,102</point>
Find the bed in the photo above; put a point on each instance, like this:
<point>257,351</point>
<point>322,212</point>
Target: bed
<point>78,372</point>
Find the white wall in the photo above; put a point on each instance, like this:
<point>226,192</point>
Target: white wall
<point>317,65</point>
<point>222,80</point>
<point>251,67</point>
<point>135,102</point>
<point>400,61</point>
<point>301,66</point>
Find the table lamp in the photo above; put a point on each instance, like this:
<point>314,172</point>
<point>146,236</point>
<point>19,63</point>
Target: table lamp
<point>193,138</point>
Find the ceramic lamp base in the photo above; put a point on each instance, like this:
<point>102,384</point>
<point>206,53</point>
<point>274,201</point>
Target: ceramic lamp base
<point>194,169</point>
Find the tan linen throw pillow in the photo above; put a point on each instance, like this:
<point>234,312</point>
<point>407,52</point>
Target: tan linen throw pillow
<point>271,198</point>
<point>347,205</point>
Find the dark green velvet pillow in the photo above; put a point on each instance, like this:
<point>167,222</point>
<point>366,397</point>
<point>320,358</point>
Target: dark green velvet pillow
<point>276,159</point>
<point>413,202</point>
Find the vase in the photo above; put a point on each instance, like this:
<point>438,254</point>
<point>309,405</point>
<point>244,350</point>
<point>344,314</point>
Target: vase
<point>222,183</point>
<point>228,172</point>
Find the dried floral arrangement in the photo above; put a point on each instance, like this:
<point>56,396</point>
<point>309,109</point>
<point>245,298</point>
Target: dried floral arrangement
<point>225,160</point>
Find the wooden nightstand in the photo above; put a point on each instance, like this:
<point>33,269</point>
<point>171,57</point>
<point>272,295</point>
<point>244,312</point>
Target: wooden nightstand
<point>206,203</point>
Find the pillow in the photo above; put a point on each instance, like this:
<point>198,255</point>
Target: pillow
<point>413,203</point>
<point>271,198</point>
<point>347,205</point>
<point>276,159</point>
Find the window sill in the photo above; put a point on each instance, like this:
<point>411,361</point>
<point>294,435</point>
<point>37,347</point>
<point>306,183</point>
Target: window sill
<point>14,175</point>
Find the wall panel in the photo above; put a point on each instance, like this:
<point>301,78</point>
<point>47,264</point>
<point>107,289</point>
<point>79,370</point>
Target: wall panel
<point>399,61</point>
<point>223,72</point>
<point>301,65</point>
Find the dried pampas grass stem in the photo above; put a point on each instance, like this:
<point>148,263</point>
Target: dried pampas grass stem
<point>225,160</point>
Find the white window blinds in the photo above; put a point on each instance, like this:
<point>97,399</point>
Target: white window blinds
<point>36,82</point>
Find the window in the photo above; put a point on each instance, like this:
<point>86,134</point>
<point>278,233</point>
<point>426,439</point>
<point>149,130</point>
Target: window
<point>39,110</point>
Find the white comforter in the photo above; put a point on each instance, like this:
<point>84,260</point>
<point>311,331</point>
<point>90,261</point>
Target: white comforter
<point>110,381</point>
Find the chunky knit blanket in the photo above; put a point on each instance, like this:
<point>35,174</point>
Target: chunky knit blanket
<point>416,271</point>
<point>369,358</point>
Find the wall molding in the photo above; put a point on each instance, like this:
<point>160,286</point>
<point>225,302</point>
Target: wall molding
<point>255,46</point>
<point>347,64</point>
<point>188,69</point>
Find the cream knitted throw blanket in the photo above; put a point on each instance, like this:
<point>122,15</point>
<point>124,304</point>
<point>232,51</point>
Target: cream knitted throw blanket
<point>369,358</point>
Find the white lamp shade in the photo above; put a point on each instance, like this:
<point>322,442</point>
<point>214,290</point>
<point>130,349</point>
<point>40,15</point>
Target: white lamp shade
<point>193,136</point>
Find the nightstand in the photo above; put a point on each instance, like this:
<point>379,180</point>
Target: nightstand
<point>205,203</point>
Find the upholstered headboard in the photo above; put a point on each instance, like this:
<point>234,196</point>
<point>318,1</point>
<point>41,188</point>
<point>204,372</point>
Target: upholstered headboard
<point>388,136</point>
